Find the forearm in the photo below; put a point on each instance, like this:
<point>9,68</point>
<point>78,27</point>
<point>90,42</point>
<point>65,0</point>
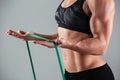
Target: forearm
<point>52,36</point>
<point>91,46</point>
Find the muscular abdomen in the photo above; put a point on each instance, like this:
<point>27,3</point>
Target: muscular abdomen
<point>74,61</point>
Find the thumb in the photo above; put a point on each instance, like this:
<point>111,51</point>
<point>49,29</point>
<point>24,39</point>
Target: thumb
<point>22,32</point>
<point>58,41</point>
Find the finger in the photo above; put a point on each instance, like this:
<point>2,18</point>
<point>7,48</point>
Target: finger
<point>9,32</point>
<point>58,41</point>
<point>39,42</point>
<point>21,32</point>
<point>44,43</point>
<point>13,33</point>
<point>48,44</point>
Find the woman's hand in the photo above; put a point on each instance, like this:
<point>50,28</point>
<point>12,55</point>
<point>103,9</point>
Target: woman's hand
<point>20,34</point>
<point>44,43</point>
<point>60,42</point>
<point>65,44</point>
<point>23,35</point>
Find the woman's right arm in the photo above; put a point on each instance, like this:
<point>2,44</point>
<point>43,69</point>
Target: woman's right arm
<point>52,36</point>
<point>23,35</point>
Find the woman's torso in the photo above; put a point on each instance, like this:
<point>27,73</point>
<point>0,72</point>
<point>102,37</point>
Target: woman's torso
<point>74,61</point>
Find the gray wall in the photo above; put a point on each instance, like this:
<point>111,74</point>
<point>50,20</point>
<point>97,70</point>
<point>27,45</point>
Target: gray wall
<point>38,16</point>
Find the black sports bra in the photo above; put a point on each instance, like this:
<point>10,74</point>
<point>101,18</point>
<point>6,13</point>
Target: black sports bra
<point>73,17</point>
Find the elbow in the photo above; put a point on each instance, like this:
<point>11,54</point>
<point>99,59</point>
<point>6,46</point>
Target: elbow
<point>99,49</point>
<point>102,49</point>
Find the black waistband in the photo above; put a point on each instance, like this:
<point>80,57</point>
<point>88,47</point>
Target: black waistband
<point>86,73</point>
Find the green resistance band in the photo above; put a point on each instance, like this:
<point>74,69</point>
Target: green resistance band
<point>56,49</point>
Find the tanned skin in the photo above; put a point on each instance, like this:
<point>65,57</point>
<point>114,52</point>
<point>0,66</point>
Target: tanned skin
<point>80,51</point>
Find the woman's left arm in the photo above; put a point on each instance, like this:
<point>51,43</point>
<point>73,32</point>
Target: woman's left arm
<point>101,24</point>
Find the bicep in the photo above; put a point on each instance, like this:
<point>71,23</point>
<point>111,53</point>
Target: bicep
<point>100,29</point>
<point>101,22</point>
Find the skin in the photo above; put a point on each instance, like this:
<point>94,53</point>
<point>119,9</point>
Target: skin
<point>79,50</point>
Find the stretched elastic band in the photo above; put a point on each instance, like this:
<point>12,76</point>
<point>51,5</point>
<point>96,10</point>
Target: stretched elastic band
<point>31,62</point>
<point>57,53</point>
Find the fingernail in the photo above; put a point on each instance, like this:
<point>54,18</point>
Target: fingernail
<point>6,33</point>
<point>34,42</point>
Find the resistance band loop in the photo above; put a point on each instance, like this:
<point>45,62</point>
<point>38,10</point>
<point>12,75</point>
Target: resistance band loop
<point>30,57</point>
<point>57,52</point>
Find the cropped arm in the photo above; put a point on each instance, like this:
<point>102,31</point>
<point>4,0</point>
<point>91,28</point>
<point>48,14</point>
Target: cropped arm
<point>101,24</point>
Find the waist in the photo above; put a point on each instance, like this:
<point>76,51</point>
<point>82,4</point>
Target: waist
<point>103,72</point>
<point>88,70</point>
<point>75,62</point>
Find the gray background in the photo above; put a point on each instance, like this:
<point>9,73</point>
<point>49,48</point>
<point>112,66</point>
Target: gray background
<point>38,16</point>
